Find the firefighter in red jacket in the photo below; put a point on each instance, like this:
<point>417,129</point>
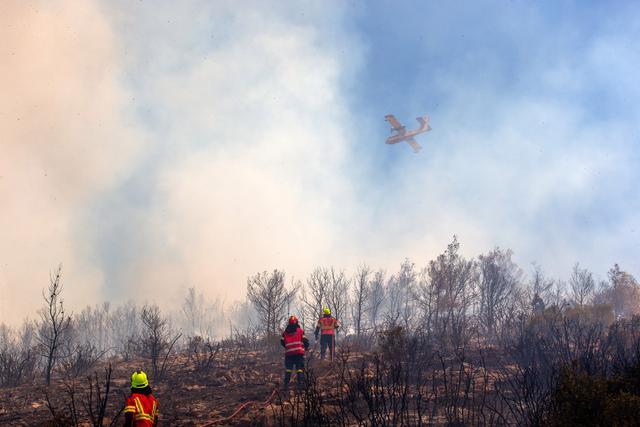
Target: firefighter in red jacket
<point>141,408</point>
<point>295,344</point>
<point>327,326</point>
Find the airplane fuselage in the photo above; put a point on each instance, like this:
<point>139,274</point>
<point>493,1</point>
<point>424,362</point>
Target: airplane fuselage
<point>394,139</point>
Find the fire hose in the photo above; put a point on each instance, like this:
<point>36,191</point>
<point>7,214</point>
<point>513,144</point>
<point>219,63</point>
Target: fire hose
<point>326,374</point>
<point>252,402</point>
<point>240,408</point>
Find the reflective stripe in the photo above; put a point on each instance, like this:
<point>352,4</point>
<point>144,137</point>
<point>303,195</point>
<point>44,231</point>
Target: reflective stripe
<point>142,417</point>
<point>293,342</point>
<point>327,325</point>
<point>139,405</point>
<point>289,370</point>
<point>129,409</point>
<point>300,371</point>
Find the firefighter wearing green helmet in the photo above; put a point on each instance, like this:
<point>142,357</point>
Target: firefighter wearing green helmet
<point>141,408</point>
<point>326,328</point>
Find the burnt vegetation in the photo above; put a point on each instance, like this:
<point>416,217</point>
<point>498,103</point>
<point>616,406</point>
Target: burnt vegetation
<point>454,342</point>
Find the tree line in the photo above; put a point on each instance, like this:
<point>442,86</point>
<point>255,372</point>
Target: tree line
<point>449,298</point>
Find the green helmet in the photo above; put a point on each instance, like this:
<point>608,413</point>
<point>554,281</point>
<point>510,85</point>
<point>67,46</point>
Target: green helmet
<point>139,379</point>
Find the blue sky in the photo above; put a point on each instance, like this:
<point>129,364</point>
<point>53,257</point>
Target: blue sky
<point>570,65</point>
<point>196,143</point>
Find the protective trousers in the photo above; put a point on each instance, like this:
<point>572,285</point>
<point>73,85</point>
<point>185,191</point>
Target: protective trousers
<point>294,363</point>
<point>326,340</point>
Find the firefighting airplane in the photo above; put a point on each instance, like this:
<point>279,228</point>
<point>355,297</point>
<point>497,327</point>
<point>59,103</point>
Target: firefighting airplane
<point>403,135</point>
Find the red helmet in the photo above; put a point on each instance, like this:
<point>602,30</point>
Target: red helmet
<point>293,320</point>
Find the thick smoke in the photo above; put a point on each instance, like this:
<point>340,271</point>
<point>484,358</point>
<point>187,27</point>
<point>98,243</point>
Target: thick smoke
<point>248,172</point>
<point>243,169</point>
<point>63,141</point>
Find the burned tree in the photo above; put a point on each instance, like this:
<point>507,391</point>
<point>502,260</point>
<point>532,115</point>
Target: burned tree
<point>400,291</point>
<point>270,298</point>
<point>97,397</point>
<point>542,286</point>
<point>360,298</point>
<point>125,326</point>
<point>499,277</point>
<point>376,301</point>
<point>582,285</point>
<point>338,296</point>
<point>314,294</point>
<point>18,359</point>
<point>193,312</point>
<point>156,338</point>
<point>54,323</point>
<point>446,294</point>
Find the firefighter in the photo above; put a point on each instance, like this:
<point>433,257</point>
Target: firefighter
<point>141,408</point>
<point>295,344</point>
<point>326,327</point>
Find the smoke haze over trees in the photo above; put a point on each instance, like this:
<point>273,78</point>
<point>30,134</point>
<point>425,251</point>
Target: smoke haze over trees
<point>452,319</point>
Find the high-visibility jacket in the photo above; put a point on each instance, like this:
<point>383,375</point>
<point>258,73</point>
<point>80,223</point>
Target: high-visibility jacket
<point>144,408</point>
<point>328,325</point>
<point>293,342</point>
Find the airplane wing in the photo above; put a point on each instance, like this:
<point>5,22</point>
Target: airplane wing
<point>395,124</point>
<point>424,124</point>
<point>412,142</point>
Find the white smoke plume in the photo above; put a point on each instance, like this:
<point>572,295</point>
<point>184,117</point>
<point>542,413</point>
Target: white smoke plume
<point>157,147</point>
<point>63,141</point>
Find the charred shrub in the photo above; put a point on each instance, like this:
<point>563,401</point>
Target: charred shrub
<point>202,352</point>
<point>81,358</point>
<point>16,366</point>
<point>392,342</point>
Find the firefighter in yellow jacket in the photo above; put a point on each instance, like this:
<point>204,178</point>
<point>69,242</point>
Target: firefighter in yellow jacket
<point>326,327</point>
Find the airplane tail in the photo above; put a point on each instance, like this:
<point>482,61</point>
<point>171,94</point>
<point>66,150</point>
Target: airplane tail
<point>424,123</point>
